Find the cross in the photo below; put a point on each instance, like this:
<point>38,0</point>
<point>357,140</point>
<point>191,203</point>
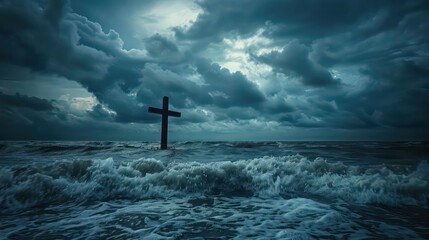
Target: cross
<point>165,113</point>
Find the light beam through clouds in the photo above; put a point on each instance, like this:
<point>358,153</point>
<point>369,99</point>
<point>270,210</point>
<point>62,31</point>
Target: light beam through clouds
<point>258,70</point>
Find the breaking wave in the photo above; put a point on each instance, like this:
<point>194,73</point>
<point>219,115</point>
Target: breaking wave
<point>289,176</point>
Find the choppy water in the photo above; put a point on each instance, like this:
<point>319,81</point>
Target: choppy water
<point>214,190</point>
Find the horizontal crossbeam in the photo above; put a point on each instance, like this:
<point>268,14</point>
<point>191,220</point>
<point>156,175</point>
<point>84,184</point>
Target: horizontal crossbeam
<point>174,114</point>
<point>155,110</point>
<point>160,111</point>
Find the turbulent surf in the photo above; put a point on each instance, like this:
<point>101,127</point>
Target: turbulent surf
<point>218,190</point>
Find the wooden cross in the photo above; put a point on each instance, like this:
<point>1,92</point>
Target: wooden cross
<point>165,113</point>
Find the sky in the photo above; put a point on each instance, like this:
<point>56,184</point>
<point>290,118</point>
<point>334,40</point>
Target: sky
<point>242,70</point>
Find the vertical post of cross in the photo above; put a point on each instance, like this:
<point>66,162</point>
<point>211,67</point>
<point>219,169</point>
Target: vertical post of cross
<point>164,128</point>
<point>165,113</point>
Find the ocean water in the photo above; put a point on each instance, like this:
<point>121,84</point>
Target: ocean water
<point>214,190</point>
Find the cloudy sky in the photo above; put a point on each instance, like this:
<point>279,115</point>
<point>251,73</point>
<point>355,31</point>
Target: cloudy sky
<point>237,70</point>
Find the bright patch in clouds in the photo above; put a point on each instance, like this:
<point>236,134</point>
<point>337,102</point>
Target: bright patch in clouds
<point>83,103</point>
<point>164,15</point>
<point>235,69</point>
<point>236,58</point>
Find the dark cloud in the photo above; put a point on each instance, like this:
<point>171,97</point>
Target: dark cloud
<point>115,15</point>
<point>220,88</point>
<point>25,124</point>
<point>73,47</point>
<point>306,19</point>
<point>25,117</point>
<point>400,92</point>
<point>91,35</point>
<point>33,41</point>
<point>294,58</point>
<point>23,101</point>
<point>277,104</point>
<point>98,112</point>
<point>158,81</point>
<point>335,64</point>
<point>160,47</point>
<point>228,89</point>
<point>98,62</point>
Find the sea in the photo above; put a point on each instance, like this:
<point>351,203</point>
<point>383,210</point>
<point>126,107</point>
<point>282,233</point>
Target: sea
<point>214,190</point>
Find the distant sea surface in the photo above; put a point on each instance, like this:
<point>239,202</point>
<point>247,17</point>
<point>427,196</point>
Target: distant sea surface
<point>214,190</point>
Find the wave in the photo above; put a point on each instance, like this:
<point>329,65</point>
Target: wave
<point>64,148</point>
<point>383,150</point>
<point>295,175</point>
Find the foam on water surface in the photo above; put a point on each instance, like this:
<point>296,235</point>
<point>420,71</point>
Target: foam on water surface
<point>187,218</point>
<point>80,180</point>
<point>164,196</point>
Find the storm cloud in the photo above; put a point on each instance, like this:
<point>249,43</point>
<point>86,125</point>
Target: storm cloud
<point>293,64</point>
<point>23,101</point>
<point>294,58</point>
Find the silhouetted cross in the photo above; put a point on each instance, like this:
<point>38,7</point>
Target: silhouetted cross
<point>165,113</point>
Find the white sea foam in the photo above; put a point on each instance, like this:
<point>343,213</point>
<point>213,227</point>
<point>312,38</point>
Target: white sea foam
<point>200,218</point>
<point>267,177</point>
<point>288,197</point>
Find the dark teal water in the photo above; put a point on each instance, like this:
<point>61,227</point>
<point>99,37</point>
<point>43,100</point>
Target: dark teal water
<point>220,190</point>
